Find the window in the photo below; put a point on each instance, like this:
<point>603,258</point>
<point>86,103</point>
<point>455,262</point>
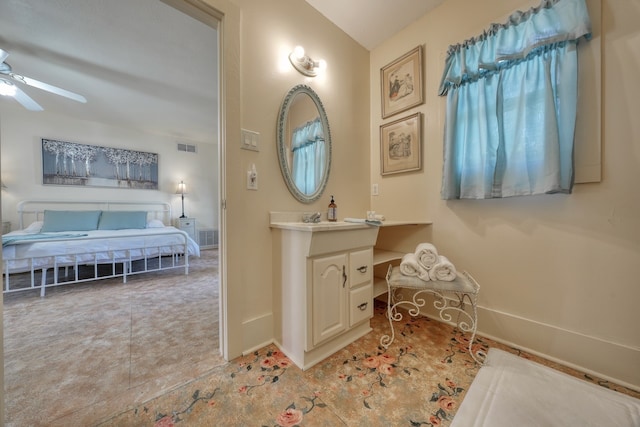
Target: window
<point>511,105</point>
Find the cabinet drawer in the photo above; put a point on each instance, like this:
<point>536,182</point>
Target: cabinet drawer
<point>360,267</point>
<point>360,304</point>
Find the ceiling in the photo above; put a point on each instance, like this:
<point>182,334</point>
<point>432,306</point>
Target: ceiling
<point>370,22</point>
<point>144,65</point>
<point>141,64</point>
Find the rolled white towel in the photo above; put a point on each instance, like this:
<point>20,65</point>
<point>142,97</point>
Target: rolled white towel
<point>409,266</point>
<point>427,255</point>
<point>443,270</point>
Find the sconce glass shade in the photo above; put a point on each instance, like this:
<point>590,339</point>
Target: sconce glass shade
<point>304,64</point>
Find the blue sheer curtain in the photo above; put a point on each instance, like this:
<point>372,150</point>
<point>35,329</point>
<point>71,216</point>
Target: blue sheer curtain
<point>511,105</point>
<point>308,146</point>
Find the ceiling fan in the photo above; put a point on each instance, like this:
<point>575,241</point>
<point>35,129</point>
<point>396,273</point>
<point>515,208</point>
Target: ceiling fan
<point>9,88</point>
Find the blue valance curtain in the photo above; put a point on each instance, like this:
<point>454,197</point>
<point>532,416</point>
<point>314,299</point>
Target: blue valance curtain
<point>511,105</point>
<point>308,146</point>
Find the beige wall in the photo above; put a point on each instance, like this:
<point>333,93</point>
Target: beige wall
<point>557,272</point>
<point>269,31</point>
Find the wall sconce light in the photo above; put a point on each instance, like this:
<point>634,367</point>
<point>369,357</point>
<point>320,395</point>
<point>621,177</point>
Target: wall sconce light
<point>304,64</point>
<point>182,190</point>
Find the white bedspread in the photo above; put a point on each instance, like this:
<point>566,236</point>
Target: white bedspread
<point>98,246</point>
<point>512,391</point>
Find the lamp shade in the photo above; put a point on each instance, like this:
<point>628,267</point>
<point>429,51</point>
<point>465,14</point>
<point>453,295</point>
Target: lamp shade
<point>182,188</point>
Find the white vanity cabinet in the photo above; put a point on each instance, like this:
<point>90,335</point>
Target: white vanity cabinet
<point>323,277</point>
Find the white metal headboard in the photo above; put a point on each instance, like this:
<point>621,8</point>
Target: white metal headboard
<point>33,210</point>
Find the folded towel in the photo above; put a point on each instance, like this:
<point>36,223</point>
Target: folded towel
<point>443,270</point>
<point>427,255</point>
<point>364,221</point>
<point>409,266</point>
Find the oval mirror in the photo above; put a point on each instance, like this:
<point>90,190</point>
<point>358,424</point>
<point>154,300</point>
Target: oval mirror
<point>304,144</point>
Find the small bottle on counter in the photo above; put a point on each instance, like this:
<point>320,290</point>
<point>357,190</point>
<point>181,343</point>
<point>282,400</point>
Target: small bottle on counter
<point>332,213</point>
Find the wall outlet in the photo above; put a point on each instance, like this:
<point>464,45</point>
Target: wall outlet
<point>374,190</point>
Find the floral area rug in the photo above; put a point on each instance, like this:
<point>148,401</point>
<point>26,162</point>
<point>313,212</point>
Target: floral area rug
<point>420,380</point>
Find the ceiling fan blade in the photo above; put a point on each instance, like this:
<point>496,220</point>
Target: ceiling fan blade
<point>26,101</point>
<point>49,88</point>
<point>3,55</point>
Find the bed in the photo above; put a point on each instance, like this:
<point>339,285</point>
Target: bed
<point>60,243</point>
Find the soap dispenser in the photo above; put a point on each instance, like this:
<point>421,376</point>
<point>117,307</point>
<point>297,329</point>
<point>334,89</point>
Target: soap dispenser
<point>332,213</point>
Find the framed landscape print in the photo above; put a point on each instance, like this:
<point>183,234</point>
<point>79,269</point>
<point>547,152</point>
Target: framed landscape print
<point>69,163</point>
<point>401,83</point>
<point>401,145</point>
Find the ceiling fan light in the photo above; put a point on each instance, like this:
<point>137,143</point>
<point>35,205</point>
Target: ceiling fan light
<point>7,88</point>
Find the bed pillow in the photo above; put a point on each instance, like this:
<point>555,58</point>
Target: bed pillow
<point>121,220</point>
<point>70,220</point>
<point>34,227</point>
<point>155,223</point>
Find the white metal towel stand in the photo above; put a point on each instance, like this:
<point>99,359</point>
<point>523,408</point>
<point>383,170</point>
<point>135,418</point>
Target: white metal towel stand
<point>464,289</point>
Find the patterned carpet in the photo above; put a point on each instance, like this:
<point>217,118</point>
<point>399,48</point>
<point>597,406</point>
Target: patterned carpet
<point>419,381</point>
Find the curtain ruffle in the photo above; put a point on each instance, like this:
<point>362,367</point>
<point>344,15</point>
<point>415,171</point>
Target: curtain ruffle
<point>308,133</point>
<point>540,28</point>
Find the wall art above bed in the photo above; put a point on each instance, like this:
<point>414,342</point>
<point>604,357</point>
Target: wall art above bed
<point>69,163</point>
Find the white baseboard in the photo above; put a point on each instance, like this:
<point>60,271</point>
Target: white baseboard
<point>605,359</point>
<point>257,333</point>
<point>608,360</point>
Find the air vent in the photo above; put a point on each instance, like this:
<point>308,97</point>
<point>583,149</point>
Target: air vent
<point>208,238</point>
<point>187,148</point>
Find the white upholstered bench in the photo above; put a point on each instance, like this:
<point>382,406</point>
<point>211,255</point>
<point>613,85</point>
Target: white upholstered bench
<point>451,298</point>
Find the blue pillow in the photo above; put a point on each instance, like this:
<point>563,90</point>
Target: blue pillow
<point>70,220</point>
<point>120,220</point>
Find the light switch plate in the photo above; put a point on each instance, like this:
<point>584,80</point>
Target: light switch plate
<point>250,140</point>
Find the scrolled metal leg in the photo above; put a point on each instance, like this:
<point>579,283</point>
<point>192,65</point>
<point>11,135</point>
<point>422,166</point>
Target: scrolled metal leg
<point>392,314</point>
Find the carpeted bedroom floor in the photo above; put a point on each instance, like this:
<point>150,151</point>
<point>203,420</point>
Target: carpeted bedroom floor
<point>149,363</point>
<point>84,352</point>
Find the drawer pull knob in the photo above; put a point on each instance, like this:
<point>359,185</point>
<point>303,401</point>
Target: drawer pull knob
<point>363,306</point>
<point>362,269</point>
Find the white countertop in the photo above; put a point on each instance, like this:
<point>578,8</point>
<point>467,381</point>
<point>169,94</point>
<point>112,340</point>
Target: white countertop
<point>319,226</point>
<point>293,221</point>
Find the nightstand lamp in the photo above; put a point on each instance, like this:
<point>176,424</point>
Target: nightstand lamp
<point>182,190</point>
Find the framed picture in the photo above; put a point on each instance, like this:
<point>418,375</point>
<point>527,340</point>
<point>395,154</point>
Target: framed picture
<point>401,83</point>
<point>401,145</point>
<point>69,163</point>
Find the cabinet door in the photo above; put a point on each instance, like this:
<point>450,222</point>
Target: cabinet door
<point>329,314</point>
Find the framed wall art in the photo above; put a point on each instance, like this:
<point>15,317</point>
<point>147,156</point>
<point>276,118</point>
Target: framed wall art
<point>69,163</point>
<point>401,83</point>
<point>401,145</point>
